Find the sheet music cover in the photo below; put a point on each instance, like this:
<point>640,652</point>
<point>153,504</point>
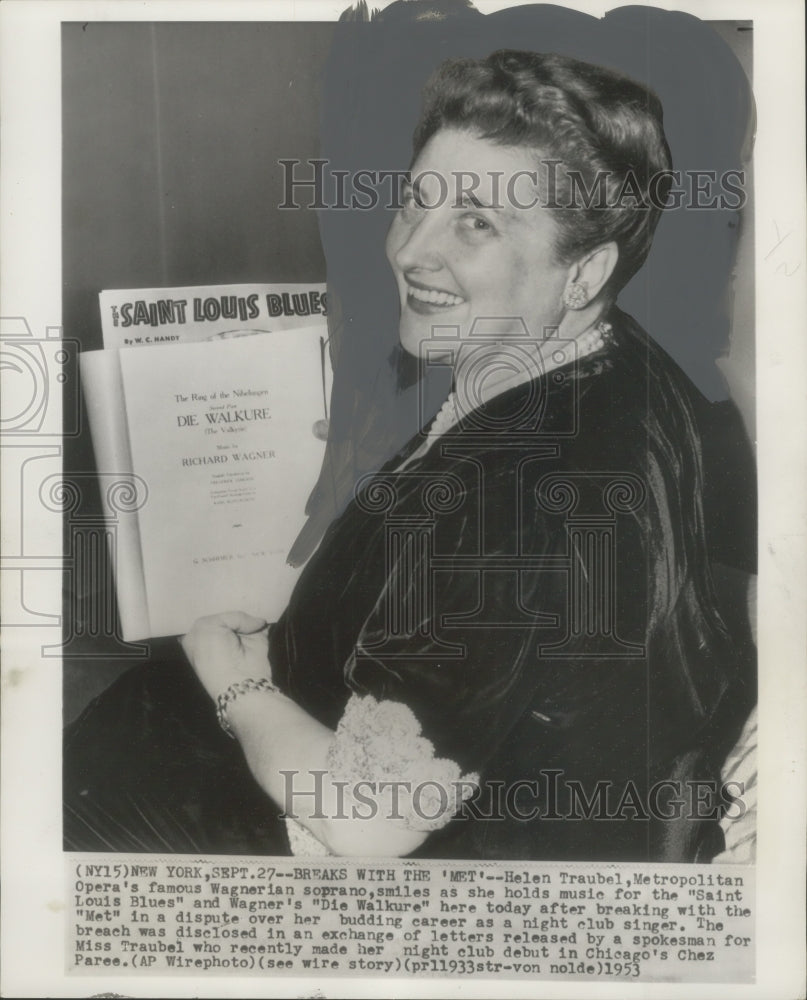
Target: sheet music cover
<point>151,316</point>
<point>527,716</point>
<point>224,440</point>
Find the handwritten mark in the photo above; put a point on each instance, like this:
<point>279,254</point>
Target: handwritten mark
<point>783,267</point>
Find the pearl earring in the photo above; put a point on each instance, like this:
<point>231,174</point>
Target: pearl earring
<point>576,295</point>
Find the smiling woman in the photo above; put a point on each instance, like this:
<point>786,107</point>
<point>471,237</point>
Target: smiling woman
<point>518,652</point>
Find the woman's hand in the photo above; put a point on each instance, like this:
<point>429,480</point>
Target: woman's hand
<point>279,738</point>
<point>226,648</point>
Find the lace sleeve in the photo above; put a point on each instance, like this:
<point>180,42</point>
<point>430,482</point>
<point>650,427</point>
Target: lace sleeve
<point>384,767</point>
<point>378,748</point>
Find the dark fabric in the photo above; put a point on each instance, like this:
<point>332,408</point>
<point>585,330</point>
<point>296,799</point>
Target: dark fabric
<point>484,652</point>
<point>148,770</point>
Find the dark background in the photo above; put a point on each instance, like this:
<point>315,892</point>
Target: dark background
<point>171,137</point>
<point>170,142</point>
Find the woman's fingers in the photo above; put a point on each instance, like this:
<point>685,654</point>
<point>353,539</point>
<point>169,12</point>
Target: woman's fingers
<point>227,647</point>
<point>218,629</point>
<point>236,621</point>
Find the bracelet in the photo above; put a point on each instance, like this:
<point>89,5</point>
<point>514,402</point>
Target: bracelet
<point>234,691</point>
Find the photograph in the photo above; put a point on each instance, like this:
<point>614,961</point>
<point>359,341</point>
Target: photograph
<point>403,510</point>
<point>529,551</point>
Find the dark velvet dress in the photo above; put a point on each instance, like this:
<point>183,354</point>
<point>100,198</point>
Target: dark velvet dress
<point>535,588</point>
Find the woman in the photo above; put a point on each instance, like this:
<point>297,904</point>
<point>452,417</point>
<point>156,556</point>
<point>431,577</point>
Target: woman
<point>507,645</point>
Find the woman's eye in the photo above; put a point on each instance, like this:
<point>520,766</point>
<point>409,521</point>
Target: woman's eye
<point>476,223</point>
<point>409,203</point>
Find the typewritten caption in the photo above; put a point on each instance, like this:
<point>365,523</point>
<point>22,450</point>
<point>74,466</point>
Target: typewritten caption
<point>132,916</point>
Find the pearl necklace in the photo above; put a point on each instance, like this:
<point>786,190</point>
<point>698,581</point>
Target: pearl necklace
<point>450,413</point>
<point>592,340</point>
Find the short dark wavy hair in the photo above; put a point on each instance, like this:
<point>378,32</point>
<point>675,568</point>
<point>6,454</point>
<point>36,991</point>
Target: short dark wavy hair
<point>589,118</point>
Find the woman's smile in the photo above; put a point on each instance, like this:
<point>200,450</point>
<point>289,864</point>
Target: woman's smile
<point>427,300</point>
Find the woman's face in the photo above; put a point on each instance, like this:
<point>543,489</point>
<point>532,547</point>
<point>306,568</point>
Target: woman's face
<point>459,257</point>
